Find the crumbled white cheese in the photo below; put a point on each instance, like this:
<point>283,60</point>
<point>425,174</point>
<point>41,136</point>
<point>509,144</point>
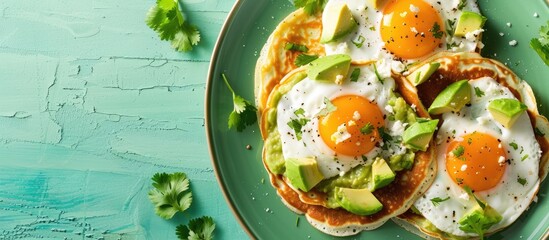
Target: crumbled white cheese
<point>403,14</point>
<point>414,107</point>
<point>482,120</point>
<point>358,143</point>
<point>389,109</point>
<point>339,79</point>
<point>480,45</point>
<point>351,123</point>
<point>341,135</point>
<point>413,29</point>
<point>509,24</point>
<point>463,167</point>
<point>413,8</point>
<point>356,116</point>
<point>472,36</point>
<point>513,43</point>
<point>464,196</point>
<point>501,160</point>
<point>398,66</point>
<point>536,15</point>
<point>501,34</point>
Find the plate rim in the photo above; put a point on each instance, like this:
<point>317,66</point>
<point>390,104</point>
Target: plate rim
<point>207,108</point>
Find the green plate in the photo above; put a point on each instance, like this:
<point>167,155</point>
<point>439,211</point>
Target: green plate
<point>240,171</point>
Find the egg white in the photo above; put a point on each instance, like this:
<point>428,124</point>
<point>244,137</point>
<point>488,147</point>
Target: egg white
<point>369,20</point>
<point>308,95</point>
<point>509,197</point>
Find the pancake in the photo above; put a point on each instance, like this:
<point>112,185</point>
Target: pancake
<point>275,61</point>
<point>396,197</point>
<point>455,67</point>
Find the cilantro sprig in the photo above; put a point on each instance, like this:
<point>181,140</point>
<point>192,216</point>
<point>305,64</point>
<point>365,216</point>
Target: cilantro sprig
<point>541,44</point>
<point>436,201</point>
<point>244,112</point>
<point>198,229</point>
<point>310,7</point>
<point>437,32</point>
<point>171,194</point>
<point>169,22</point>
<point>304,59</point>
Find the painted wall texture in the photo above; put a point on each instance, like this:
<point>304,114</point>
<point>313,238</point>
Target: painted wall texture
<point>92,104</point>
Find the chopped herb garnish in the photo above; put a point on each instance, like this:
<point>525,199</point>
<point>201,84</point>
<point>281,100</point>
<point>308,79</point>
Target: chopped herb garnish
<point>524,157</point>
<point>359,42</point>
<point>296,47</point>
<point>171,194</point>
<point>384,135</point>
<point>470,192</point>
<point>538,132</point>
<point>459,180</point>
<point>367,129</point>
<point>297,221</point>
<point>469,141</point>
<point>450,27</point>
<point>479,92</point>
<point>377,74</point>
<point>299,112</point>
<point>451,45</point>
<point>330,107</point>
<point>458,151</point>
<point>364,158</point>
<point>296,125</point>
<point>310,7</point>
<point>514,145</point>
<point>522,181</point>
<point>436,201</point>
<point>244,112</point>
<point>355,74</point>
<point>303,59</point>
<point>462,4</point>
<point>437,33</point>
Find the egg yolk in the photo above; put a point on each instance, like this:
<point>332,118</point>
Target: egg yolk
<point>478,161</point>
<point>411,28</point>
<point>352,128</point>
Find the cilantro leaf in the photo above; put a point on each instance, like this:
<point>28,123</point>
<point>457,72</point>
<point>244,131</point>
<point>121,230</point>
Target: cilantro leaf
<point>478,92</point>
<point>514,145</point>
<point>462,4</point>
<point>359,42</point>
<point>379,78</point>
<point>436,201</point>
<point>437,32</point>
<point>458,151</point>
<point>198,229</point>
<point>522,181</point>
<point>330,107</point>
<point>171,193</point>
<point>541,44</point>
<point>244,112</point>
<point>169,22</point>
<point>303,59</point>
<point>296,47</point>
<point>355,74</point>
<point>310,7</point>
<point>367,129</point>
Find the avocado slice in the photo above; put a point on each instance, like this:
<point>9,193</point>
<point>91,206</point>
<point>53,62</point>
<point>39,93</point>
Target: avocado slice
<point>382,174</point>
<point>419,134</point>
<point>330,68</point>
<point>337,22</point>
<point>357,201</point>
<point>480,218</point>
<point>506,110</point>
<point>452,98</point>
<point>468,22</point>
<point>423,73</point>
<point>303,173</point>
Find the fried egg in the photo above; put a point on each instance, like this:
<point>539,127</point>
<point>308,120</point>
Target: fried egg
<point>500,165</point>
<point>335,139</point>
<point>405,30</point>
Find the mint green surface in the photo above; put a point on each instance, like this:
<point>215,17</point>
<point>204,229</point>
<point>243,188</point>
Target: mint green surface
<point>92,104</point>
<point>241,172</point>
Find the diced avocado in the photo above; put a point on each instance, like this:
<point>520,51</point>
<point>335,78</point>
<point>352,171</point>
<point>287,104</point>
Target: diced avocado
<point>419,134</point>
<point>382,174</point>
<point>330,68</point>
<point>468,22</point>
<point>423,73</point>
<point>506,110</point>
<point>452,98</point>
<point>377,4</point>
<point>303,173</point>
<point>357,201</point>
<point>337,21</point>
